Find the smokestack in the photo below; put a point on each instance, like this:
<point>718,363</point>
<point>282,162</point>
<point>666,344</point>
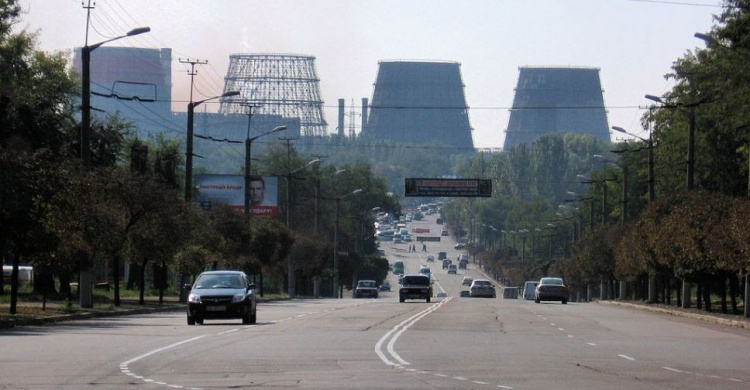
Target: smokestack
<point>364,115</point>
<point>341,118</point>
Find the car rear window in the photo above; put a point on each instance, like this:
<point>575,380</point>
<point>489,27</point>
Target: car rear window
<point>418,280</point>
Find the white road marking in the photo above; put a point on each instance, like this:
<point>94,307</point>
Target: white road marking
<point>591,344</point>
<point>626,357</point>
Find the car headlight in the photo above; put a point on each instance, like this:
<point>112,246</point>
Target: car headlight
<point>238,298</point>
<point>193,298</point>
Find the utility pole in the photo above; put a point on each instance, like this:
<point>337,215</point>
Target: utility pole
<point>189,140</point>
<point>290,275</point>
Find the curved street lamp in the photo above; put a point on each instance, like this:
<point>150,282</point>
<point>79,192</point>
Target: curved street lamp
<point>189,143</point>
<point>336,243</point>
<point>86,289</point>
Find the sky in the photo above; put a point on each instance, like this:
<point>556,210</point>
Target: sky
<point>632,42</point>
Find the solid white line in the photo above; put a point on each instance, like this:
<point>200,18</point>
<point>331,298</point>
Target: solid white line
<point>126,363</point>
<point>591,344</point>
<point>626,357</point>
<point>228,331</point>
<point>735,380</point>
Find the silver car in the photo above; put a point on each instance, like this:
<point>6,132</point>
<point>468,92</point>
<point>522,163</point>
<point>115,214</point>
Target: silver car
<point>482,288</point>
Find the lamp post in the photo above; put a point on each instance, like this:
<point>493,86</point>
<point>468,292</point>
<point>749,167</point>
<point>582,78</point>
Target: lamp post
<point>336,243</point>
<point>583,179</point>
<point>691,135</point>
<point>85,287</point>
<point>650,146</point>
<point>189,142</point>
<point>86,92</point>
<point>317,196</point>
<point>624,168</point>
<point>290,275</point>
<point>578,198</point>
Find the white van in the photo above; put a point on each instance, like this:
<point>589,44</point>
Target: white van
<point>529,289</point>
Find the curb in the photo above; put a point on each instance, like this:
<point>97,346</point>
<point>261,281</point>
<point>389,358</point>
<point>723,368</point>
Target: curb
<point>25,321</point>
<point>704,317</point>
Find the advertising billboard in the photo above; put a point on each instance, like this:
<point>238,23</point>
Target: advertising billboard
<point>230,190</point>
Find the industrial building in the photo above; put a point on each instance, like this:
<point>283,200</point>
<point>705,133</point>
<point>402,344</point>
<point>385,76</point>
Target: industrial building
<point>556,100</point>
<point>420,102</point>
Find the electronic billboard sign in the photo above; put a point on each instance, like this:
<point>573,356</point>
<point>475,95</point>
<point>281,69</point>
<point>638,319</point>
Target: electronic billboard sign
<point>466,188</point>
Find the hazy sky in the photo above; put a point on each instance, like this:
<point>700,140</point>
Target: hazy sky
<point>633,42</point>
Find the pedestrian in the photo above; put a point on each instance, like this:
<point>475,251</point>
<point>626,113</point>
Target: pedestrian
<point>424,247</point>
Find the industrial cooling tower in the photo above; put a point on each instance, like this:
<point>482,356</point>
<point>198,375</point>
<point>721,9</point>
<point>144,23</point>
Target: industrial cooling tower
<point>556,100</point>
<point>420,103</point>
<point>276,84</point>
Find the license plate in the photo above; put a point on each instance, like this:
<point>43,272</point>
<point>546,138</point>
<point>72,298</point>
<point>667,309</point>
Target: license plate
<point>216,308</point>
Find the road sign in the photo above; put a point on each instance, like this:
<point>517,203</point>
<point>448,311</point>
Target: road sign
<point>469,188</point>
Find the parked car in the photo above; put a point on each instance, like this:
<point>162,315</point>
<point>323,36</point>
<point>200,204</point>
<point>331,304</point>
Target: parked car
<point>415,286</point>
<point>482,288</point>
<point>385,286</point>
<point>551,289</point>
<point>222,295</point>
<point>529,290</point>
<point>366,289</point>
<point>444,232</point>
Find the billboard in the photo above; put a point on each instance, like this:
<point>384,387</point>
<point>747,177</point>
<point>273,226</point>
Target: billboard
<point>230,190</point>
<point>470,188</point>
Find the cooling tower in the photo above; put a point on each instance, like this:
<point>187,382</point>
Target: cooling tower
<point>276,84</point>
<point>420,102</point>
<point>561,100</point>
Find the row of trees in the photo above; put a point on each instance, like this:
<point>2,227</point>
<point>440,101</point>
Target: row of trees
<point>696,232</point>
<point>125,207</point>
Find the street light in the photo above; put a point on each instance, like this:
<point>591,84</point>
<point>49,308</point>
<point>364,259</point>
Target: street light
<point>86,92</point>
<point>290,274</point>
<point>585,180</point>
<point>691,135</point>
<point>248,143</point>
<point>86,293</point>
<point>336,243</point>
<point>600,158</point>
<point>650,146</point>
<point>189,143</point>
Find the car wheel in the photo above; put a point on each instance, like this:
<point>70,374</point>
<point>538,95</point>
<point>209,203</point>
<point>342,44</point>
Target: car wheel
<point>401,299</point>
<point>427,300</point>
<point>199,321</point>
<point>565,302</point>
<point>536,300</point>
<point>190,320</point>
<point>246,318</point>
<point>254,317</point>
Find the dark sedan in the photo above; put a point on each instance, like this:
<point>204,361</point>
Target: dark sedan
<point>551,289</point>
<point>222,295</point>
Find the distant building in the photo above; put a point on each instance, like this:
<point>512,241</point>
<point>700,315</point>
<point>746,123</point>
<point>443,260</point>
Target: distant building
<point>420,103</point>
<point>136,82</point>
<point>556,100</point>
<point>277,84</point>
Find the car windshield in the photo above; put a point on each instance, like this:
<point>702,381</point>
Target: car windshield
<point>219,281</point>
<point>482,283</point>
<point>555,281</point>
<point>417,280</point>
<point>366,283</point>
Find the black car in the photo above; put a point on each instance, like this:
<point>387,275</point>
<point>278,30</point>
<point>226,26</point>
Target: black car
<point>415,286</point>
<point>222,295</point>
<point>551,289</point>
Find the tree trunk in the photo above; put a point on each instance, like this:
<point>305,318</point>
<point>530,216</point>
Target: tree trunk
<point>723,292</point>
<point>699,294</point>
<point>14,283</point>
<point>142,287</point>
<point>733,287</point>
<point>707,293</point>
<point>116,277</point>
<point>65,290</point>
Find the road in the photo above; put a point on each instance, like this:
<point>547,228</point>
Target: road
<point>451,343</point>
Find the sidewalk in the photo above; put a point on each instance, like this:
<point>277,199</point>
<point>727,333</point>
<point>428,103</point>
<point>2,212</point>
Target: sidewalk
<point>32,313</point>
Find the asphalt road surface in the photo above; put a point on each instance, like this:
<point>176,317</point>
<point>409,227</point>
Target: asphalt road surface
<point>451,343</point>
